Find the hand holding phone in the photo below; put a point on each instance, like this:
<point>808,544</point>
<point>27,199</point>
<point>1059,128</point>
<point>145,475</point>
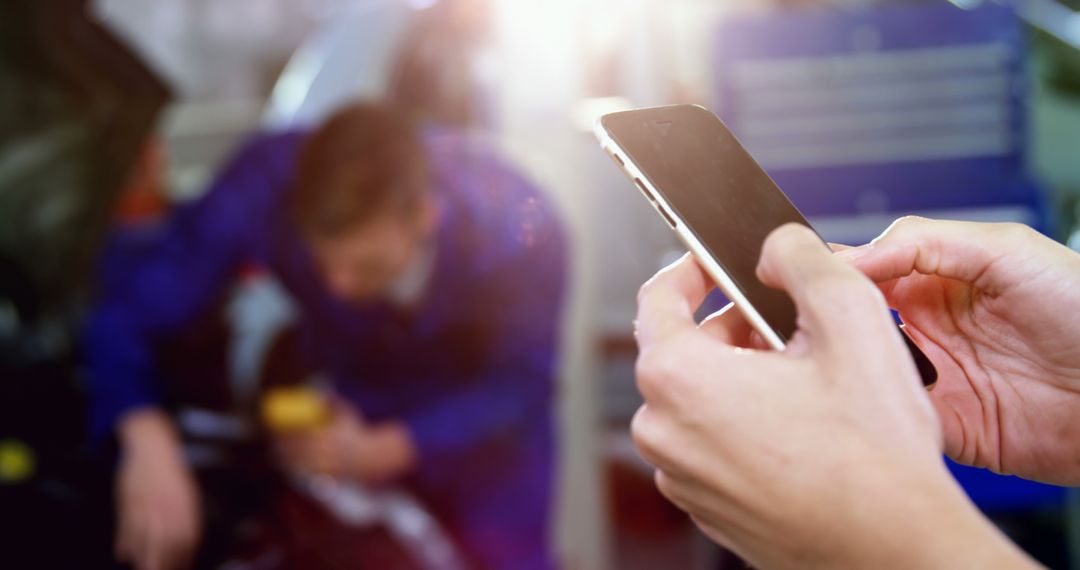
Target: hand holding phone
<point>720,203</point>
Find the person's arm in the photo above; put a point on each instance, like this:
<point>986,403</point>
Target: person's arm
<point>824,455</point>
<point>149,291</point>
<point>157,285</point>
<point>158,513</point>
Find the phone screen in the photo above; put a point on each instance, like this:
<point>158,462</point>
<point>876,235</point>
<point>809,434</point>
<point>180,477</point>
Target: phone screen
<point>717,189</point>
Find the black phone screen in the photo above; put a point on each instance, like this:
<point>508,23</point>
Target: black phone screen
<point>723,197</point>
<point>713,185</point>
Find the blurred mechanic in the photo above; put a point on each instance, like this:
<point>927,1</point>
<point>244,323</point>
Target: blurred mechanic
<point>828,454</point>
<point>429,277</point>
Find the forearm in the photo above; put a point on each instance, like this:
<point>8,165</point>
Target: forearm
<point>157,500</point>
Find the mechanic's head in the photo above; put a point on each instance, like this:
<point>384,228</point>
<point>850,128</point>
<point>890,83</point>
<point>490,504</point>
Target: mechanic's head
<point>362,199</point>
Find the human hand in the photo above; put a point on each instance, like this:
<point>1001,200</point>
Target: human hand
<point>996,307</point>
<point>159,519</point>
<point>348,447</point>
<point>827,454</point>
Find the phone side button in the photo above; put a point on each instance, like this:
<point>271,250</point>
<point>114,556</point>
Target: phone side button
<point>644,191</point>
<point>615,157</point>
<point>667,217</point>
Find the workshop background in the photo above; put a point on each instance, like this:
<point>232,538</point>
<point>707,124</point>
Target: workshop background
<point>863,111</point>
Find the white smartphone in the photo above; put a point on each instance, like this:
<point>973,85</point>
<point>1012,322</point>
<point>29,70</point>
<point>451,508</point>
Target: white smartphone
<point>719,201</point>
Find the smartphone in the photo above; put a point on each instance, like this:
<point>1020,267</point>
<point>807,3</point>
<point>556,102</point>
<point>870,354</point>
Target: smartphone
<point>719,201</point>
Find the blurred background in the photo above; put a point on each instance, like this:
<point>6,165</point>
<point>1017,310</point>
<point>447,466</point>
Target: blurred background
<point>117,111</point>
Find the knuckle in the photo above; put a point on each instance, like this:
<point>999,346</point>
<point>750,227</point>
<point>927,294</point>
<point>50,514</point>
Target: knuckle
<point>664,484</point>
<point>652,367</point>
<point>660,370</point>
<point>673,490</point>
<point>638,424</point>
<point>645,290</point>
<point>902,225</point>
<point>911,220</point>
<point>644,433</point>
<point>1014,231</point>
<point>907,222</point>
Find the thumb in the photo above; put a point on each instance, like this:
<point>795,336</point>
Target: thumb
<point>837,306</point>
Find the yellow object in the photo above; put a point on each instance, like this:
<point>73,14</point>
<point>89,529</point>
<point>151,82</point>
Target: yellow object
<point>16,461</point>
<point>294,409</point>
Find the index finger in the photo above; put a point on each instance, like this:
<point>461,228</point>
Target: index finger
<point>666,303</point>
<point>964,251</point>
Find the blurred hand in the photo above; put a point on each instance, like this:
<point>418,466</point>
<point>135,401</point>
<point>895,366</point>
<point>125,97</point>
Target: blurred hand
<point>827,454</point>
<point>348,447</point>
<point>159,520</point>
<point>996,307</point>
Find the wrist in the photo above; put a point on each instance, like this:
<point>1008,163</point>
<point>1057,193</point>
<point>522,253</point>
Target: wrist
<point>148,431</point>
<point>928,523</point>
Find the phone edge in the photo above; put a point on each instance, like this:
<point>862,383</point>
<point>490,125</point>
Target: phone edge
<point>720,277</point>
